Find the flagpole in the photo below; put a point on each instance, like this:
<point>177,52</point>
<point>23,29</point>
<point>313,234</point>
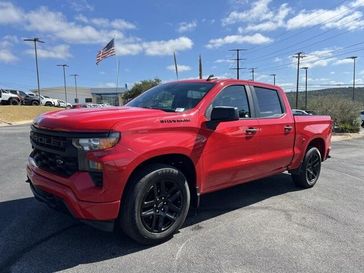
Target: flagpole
<point>117,72</point>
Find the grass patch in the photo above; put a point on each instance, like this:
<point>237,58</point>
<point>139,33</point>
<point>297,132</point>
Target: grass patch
<point>15,113</point>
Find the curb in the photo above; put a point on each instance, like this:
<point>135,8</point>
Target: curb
<point>23,122</point>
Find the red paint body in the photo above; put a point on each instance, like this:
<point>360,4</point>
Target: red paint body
<point>222,157</point>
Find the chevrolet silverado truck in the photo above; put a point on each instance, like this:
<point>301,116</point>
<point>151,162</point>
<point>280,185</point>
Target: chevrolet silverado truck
<point>140,167</point>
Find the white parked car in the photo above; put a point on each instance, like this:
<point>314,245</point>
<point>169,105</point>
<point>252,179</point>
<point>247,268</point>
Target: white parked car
<point>62,103</point>
<point>8,98</point>
<point>47,101</point>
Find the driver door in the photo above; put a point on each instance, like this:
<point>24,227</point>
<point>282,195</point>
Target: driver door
<point>231,150</point>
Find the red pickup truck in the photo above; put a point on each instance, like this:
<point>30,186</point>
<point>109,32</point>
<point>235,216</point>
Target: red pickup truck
<point>141,166</point>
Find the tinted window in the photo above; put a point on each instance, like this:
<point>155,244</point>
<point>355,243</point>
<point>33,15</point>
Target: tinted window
<point>268,102</point>
<point>13,92</point>
<point>234,96</point>
<point>173,97</point>
<point>87,100</point>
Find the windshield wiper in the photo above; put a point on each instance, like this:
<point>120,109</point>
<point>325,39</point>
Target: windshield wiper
<point>162,109</point>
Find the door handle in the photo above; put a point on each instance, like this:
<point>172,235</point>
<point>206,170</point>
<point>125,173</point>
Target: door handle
<point>288,128</point>
<point>251,131</point>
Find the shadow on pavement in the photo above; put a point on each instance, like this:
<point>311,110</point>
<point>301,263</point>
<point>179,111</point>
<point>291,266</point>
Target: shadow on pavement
<point>47,241</point>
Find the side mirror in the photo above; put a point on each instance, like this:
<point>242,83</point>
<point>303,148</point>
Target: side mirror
<point>224,113</point>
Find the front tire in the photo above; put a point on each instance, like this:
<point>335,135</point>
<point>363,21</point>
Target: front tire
<point>156,205</point>
<point>309,172</point>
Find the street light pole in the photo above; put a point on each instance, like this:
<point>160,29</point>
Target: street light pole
<point>274,78</point>
<point>64,80</point>
<point>354,59</point>
<point>35,41</point>
<point>305,68</point>
<point>75,75</point>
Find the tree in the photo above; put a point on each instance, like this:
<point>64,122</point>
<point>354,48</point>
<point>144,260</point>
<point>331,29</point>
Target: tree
<point>139,88</point>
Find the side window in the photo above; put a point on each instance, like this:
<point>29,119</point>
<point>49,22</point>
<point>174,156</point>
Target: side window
<point>269,103</point>
<point>234,96</point>
<point>88,100</point>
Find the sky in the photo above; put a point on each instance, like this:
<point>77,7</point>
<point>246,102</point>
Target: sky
<point>147,33</point>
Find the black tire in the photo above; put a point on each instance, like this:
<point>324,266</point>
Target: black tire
<point>13,101</point>
<point>48,103</point>
<point>309,172</point>
<point>151,213</point>
<point>35,102</point>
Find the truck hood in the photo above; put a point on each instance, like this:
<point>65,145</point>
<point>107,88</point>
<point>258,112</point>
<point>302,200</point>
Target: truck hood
<point>92,119</point>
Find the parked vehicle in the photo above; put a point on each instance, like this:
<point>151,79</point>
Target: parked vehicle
<point>141,166</point>
<point>47,101</point>
<point>299,112</point>
<point>362,118</point>
<point>31,99</point>
<point>20,94</point>
<point>8,98</point>
<point>62,103</point>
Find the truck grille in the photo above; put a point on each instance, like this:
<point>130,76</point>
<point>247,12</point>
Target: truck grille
<point>53,152</point>
<point>55,163</point>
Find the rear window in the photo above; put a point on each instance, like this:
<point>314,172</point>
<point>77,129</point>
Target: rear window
<point>269,104</point>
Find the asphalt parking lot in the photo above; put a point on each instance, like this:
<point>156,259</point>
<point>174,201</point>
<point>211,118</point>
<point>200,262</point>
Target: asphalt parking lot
<point>264,226</point>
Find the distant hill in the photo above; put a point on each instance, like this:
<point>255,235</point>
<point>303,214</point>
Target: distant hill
<point>342,92</point>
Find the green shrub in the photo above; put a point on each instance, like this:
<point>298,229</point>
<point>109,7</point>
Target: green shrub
<point>344,112</point>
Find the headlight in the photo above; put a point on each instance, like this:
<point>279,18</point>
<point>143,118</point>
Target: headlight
<point>92,144</point>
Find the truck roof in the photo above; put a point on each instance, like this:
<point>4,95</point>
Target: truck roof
<point>231,81</point>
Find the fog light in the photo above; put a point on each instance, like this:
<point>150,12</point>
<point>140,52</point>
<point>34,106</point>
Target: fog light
<point>94,166</point>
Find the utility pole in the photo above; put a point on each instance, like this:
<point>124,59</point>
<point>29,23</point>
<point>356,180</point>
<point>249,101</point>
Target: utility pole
<point>75,75</point>
<point>354,59</point>
<point>305,68</point>
<point>299,56</point>
<point>252,70</point>
<point>237,68</point>
<point>35,41</point>
<point>200,67</point>
<point>274,78</point>
<point>64,80</point>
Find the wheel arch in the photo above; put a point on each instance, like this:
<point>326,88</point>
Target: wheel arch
<point>319,143</point>
<point>179,161</point>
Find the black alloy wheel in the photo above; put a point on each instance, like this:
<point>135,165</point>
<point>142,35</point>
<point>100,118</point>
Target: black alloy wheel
<point>155,204</point>
<point>161,206</point>
<point>308,173</point>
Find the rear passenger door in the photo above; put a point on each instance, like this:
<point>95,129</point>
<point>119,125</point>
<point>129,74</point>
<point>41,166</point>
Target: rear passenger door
<point>276,130</point>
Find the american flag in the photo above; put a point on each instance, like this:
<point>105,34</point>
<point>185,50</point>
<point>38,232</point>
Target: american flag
<point>107,51</point>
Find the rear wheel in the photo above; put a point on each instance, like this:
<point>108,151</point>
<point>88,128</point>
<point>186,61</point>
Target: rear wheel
<point>48,103</point>
<point>156,205</point>
<point>309,172</point>
<point>34,102</point>
<point>13,101</point>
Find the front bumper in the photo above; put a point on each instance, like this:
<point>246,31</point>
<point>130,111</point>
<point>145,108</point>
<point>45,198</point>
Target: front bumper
<point>61,197</point>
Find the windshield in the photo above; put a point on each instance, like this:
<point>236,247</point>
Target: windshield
<point>173,97</point>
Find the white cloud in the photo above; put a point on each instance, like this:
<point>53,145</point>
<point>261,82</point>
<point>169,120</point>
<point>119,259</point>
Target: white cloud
<point>276,21</point>
<point>7,56</point>
<point>187,26</point>
<point>261,17</point>
<point>10,14</point>
<point>258,11</point>
<point>80,5</point>
<point>317,58</point>
<point>181,68</point>
<point>256,38</point>
<point>128,49</point>
<point>343,61</point>
<point>56,52</point>
<point>160,48</point>
<point>219,61</point>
